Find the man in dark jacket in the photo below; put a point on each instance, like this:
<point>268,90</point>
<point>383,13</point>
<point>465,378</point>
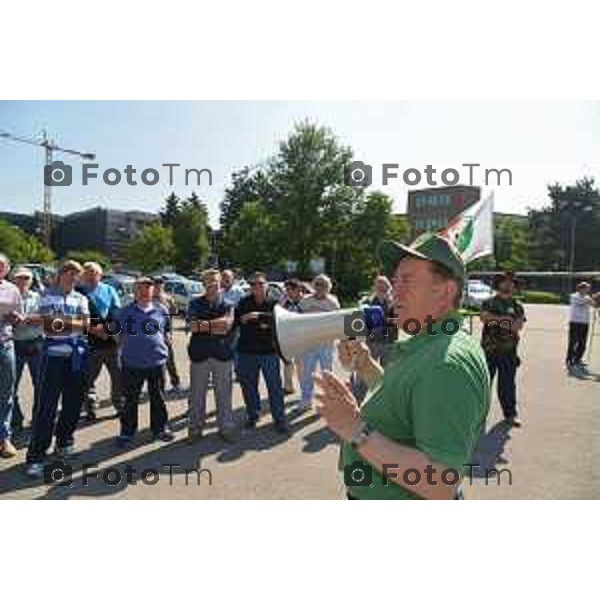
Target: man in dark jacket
<point>503,318</point>
<point>257,353</point>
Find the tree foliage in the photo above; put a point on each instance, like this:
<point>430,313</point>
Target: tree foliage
<point>191,236</point>
<point>20,246</point>
<point>152,248</point>
<point>573,209</point>
<point>298,207</point>
<point>83,256</point>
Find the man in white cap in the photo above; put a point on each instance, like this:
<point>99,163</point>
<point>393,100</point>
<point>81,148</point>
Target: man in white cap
<point>580,303</point>
<point>29,339</point>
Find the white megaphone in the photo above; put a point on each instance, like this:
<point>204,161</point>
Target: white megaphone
<point>296,333</point>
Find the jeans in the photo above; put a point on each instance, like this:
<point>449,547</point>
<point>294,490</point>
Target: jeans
<point>57,378</point>
<point>133,382</point>
<point>33,360</point>
<point>7,386</point>
<point>380,351</point>
<point>222,379</point>
<point>249,369</point>
<point>506,367</point>
<point>322,355</point>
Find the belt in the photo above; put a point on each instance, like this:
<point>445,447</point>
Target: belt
<point>78,351</point>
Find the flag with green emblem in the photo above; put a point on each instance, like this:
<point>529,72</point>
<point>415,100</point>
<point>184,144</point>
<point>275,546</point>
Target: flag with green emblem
<point>472,231</point>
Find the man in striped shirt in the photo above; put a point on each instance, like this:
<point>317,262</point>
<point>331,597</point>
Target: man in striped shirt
<point>63,371</point>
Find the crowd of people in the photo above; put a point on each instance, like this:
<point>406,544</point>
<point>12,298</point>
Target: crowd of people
<point>77,326</point>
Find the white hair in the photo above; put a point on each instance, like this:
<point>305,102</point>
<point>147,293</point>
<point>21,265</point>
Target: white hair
<point>383,279</point>
<point>4,259</point>
<point>92,266</point>
<point>326,281</point>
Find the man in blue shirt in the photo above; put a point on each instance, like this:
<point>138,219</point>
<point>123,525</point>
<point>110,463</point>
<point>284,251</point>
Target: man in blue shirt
<point>104,304</point>
<point>143,326</point>
<point>63,371</point>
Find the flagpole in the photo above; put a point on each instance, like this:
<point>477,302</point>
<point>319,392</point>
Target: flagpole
<point>589,351</point>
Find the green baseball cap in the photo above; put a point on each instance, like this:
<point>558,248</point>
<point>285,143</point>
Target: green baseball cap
<point>428,246</point>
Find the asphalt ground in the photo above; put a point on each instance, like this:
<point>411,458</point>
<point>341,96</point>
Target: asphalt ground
<point>552,456</point>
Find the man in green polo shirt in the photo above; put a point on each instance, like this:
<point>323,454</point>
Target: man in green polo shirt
<point>418,428</point>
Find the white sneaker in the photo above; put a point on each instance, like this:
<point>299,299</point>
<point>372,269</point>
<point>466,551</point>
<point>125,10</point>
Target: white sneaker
<point>304,405</point>
<point>34,470</point>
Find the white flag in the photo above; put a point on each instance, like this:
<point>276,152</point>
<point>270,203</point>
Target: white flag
<point>472,231</point>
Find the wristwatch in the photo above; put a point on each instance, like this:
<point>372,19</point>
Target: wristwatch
<point>361,435</point>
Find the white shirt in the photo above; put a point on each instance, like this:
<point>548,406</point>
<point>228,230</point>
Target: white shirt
<point>579,311</point>
<point>10,301</point>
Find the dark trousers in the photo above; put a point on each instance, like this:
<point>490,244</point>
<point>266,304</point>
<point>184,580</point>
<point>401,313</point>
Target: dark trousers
<point>98,358</point>
<point>506,367</point>
<point>133,380</point>
<point>57,378</point>
<point>578,333</point>
<point>171,364</point>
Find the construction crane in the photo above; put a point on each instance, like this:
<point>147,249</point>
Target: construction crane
<point>50,147</point>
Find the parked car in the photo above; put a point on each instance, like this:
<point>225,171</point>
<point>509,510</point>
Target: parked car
<point>275,290</point>
<point>43,276</point>
<point>476,293</point>
<point>182,291</point>
<point>169,276</point>
<point>123,284</point>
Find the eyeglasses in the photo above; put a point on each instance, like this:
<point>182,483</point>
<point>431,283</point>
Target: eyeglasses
<point>255,283</point>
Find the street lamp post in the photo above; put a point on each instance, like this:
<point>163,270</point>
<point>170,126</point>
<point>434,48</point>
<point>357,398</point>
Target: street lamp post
<point>576,211</point>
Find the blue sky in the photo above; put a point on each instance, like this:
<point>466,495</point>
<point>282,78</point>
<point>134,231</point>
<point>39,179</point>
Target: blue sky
<point>540,142</point>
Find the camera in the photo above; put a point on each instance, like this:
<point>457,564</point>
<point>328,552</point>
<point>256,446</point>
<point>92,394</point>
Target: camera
<point>358,474</point>
<point>358,174</point>
<point>58,473</point>
<point>361,322</point>
<point>57,173</point>
<point>58,325</point>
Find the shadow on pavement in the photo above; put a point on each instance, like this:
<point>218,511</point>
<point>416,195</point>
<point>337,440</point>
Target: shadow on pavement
<point>187,456</point>
<point>489,450</point>
<point>319,439</point>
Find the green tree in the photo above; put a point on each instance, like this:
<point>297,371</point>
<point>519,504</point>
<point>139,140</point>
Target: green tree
<point>250,239</point>
<point>83,256</point>
<point>20,246</point>
<point>354,262</point>
<point>171,211</point>
<point>151,248</point>
<point>512,243</point>
<point>190,236</point>
<point>310,199</point>
<point>247,185</point>
<point>573,208</point>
